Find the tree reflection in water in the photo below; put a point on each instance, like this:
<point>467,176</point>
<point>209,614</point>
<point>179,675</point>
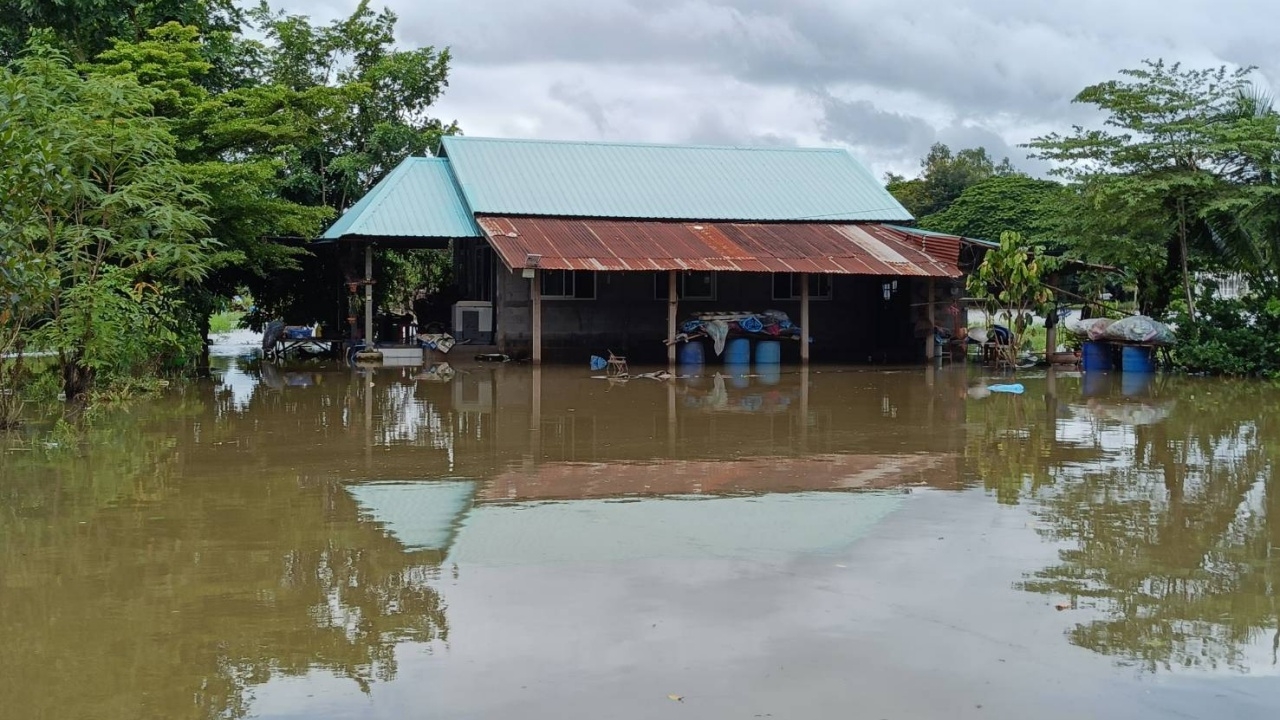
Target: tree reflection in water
<point>150,572</point>
<point>1167,504</point>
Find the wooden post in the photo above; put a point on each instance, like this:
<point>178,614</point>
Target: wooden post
<point>804,318</point>
<point>930,347</point>
<point>673,302</point>
<point>1050,341</point>
<point>535,295</point>
<point>368,296</point>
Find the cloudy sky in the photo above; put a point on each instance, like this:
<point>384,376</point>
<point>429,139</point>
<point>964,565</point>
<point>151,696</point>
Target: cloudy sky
<point>885,78</point>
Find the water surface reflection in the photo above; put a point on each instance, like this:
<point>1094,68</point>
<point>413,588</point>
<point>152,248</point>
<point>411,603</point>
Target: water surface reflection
<point>474,541</point>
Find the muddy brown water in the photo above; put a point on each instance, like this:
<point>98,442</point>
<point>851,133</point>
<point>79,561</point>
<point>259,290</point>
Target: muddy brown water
<point>322,542</point>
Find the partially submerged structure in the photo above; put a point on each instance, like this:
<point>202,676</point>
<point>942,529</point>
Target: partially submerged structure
<point>562,248</point>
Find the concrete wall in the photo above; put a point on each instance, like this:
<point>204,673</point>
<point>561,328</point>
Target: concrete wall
<point>856,325</point>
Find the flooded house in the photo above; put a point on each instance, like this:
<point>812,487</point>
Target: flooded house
<point>566,249</point>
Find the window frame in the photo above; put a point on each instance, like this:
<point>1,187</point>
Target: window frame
<point>818,278</point>
<point>660,276</point>
<point>569,287</point>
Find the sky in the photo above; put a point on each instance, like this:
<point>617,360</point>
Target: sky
<point>883,78</point>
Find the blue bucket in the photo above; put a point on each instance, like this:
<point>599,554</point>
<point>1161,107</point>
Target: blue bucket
<point>691,353</point>
<point>1096,357</point>
<point>1137,359</point>
<point>737,352</point>
<point>768,352</point>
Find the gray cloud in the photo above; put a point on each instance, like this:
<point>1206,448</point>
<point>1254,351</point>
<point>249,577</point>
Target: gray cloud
<point>884,77</point>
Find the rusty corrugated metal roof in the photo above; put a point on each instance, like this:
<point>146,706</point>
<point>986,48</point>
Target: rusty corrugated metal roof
<point>621,245</point>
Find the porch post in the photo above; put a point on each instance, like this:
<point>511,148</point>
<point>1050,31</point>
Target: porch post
<point>804,318</point>
<point>535,294</point>
<point>673,301</point>
<point>930,347</point>
<point>368,296</point>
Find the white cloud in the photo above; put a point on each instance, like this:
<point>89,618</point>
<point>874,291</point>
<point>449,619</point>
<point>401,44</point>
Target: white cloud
<point>885,77</point>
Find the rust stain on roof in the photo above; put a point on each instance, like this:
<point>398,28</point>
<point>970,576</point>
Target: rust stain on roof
<point>636,245</point>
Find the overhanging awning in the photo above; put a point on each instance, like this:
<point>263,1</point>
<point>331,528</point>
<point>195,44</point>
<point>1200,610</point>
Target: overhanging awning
<point>638,245</point>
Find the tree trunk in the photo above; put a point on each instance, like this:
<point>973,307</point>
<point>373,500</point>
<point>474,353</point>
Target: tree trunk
<point>76,380</point>
<point>202,363</point>
<point>1186,272</point>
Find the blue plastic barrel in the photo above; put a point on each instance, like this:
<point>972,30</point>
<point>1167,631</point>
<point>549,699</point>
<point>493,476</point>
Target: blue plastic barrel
<point>1137,359</point>
<point>737,352</point>
<point>768,352</point>
<point>1096,357</point>
<point>691,353</point>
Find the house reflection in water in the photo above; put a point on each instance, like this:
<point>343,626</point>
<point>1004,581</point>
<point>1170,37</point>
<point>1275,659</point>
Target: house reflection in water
<point>771,466</point>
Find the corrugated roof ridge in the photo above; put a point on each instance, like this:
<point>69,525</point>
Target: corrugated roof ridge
<point>635,143</point>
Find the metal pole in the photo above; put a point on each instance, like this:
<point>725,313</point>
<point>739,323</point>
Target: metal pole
<point>804,318</point>
<point>673,301</point>
<point>535,295</point>
<point>368,296</point>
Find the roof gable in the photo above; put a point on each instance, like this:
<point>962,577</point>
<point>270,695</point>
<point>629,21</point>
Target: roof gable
<point>418,199</point>
<point>675,182</point>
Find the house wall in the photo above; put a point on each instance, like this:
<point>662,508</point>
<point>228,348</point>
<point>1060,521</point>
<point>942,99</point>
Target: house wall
<point>856,325</point>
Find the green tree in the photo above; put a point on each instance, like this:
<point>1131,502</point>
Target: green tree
<point>944,175</point>
<point>84,28</point>
<point>1010,280</point>
<point>106,225</point>
<point>231,144</point>
<point>1174,149</point>
<point>365,104</point>
<point>1014,203</point>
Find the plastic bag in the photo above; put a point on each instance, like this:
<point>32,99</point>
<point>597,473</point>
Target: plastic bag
<point>1139,329</point>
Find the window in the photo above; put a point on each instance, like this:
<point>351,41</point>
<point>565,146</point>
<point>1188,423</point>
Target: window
<point>786,286</point>
<point>569,284</point>
<point>690,285</point>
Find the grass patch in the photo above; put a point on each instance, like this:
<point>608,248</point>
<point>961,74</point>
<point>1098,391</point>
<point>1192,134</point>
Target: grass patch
<point>225,322</point>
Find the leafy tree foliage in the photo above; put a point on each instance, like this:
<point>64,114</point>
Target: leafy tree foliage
<point>84,28</point>
<point>943,177</point>
<point>1011,280</point>
<point>101,219</point>
<point>1174,152</point>
<point>1005,203</point>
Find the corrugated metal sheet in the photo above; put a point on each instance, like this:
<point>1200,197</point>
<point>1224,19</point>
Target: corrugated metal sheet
<point>418,199</point>
<point>637,181</point>
<point>617,245</point>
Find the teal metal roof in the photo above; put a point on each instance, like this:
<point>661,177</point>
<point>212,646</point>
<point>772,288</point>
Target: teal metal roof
<point>676,182</point>
<point>418,199</point>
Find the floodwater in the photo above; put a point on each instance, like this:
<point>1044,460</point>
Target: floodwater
<point>491,541</point>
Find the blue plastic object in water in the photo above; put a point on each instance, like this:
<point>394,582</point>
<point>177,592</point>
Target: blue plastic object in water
<point>691,353</point>
<point>737,352</point>
<point>598,363</point>
<point>768,352</point>
<point>1015,388</point>
<point>1137,359</point>
<point>1096,357</point>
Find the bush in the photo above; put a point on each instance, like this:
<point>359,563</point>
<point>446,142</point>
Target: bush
<point>1230,337</point>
